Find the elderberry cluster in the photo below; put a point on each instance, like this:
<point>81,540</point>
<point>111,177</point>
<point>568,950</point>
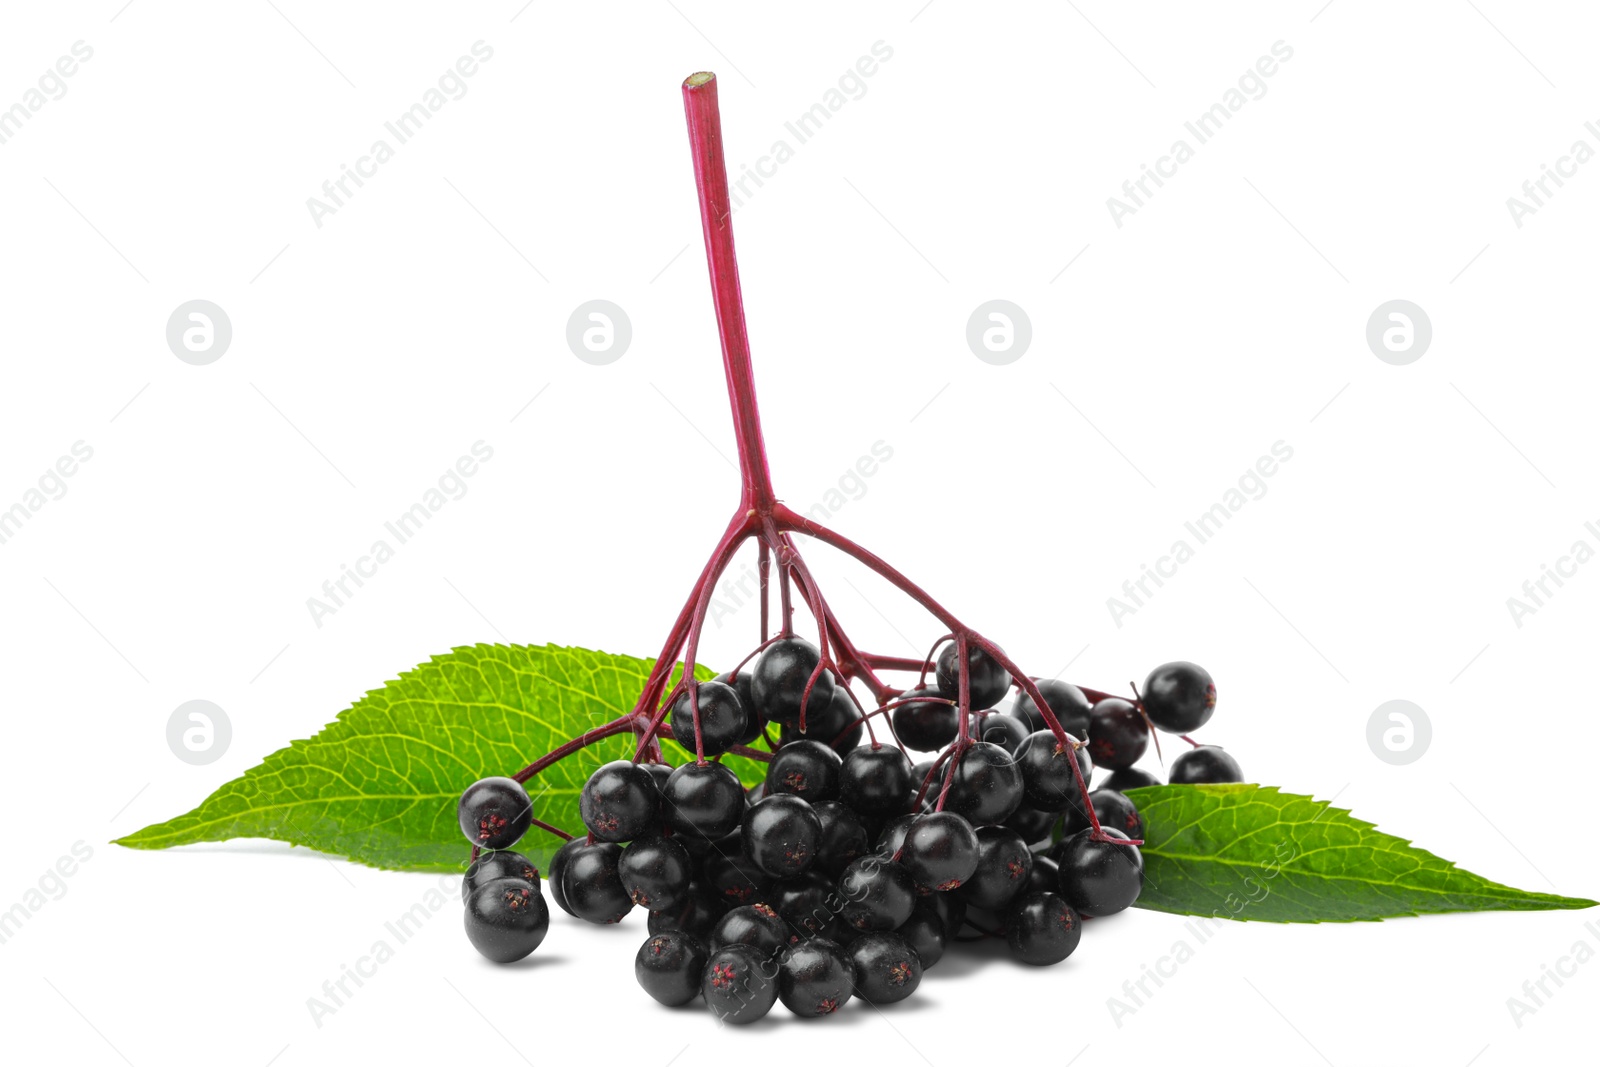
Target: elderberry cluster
<point>848,871</point>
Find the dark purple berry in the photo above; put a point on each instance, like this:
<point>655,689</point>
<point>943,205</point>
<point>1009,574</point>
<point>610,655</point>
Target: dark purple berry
<point>1004,864</point>
<point>808,769</point>
<point>1044,878</point>
<point>779,677</point>
<point>491,866</point>
<point>839,727</point>
<point>782,835</point>
<point>702,800</point>
<point>1204,764</point>
<point>878,894</point>
<point>556,872</point>
<point>1099,877</point>
<point>1179,697</point>
<point>887,968</point>
<point>987,786</point>
<point>620,802</point>
<point>809,905</point>
<point>844,838</point>
<point>940,851</point>
<point>1128,778</point>
<point>757,925</point>
<point>669,966</point>
<point>1067,701</point>
<point>893,836</point>
<point>738,985</point>
<point>1000,728</point>
<point>926,725</point>
<point>754,721</point>
<point>987,681</point>
<point>1117,734</point>
<point>875,780</point>
<point>655,872</point>
<point>737,879</point>
<point>495,812</point>
<point>815,978</point>
<point>1048,781</point>
<point>1043,929</point>
<point>1116,812</point>
<point>506,919</point>
<point>697,915</point>
<point>924,932</point>
<point>592,885</point>
<point>722,718</point>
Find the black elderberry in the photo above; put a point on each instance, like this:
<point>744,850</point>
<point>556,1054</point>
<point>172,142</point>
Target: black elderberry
<point>495,812</point>
<point>815,978</point>
<point>655,873</point>
<point>1128,778</point>
<point>1004,865</point>
<point>736,878</point>
<point>506,919</point>
<point>592,885</point>
<point>1117,734</point>
<point>924,932</point>
<point>782,835</point>
<point>987,681</point>
<point>893,836</point>
<point>1000,728</point>
<point>1067,701</point>
<point>940,851</point>
<point>702,800</point>
<point>757,925</point>
<point>1031,824</point>
<point>878,894</point>
<point>491,866</point>
<point>926,721</point>
<point>1116,812</point>
<point>722,718</point>
<point>779,677</point>
<point>555,872</point>
<point>844,838</point>
<point>987,785</point>
<point>754,721</point>
<point>839,726</point>
<point>875,780</point>
<point>1045,877</point>
<point>1204,764</point>
<point>808,769</point>
<point>670,965</point>
<point>887,968</point>
<point>809,905</point>
<point>1099,877</point>
<point>697,915</point>
<point>738,985</point>
<point>620,801</point>
<point>1179,697</point>
<point>1043,929</point>
<point>1048,781</point>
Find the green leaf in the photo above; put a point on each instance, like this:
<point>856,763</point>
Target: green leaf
<point>1250,852</point>
<point>380,784</point>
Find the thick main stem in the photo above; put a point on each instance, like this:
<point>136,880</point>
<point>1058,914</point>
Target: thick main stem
<point>716,220</point>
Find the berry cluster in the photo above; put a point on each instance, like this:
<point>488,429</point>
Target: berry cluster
<point>849,870</point>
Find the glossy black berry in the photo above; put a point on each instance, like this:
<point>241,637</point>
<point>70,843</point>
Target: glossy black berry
<point>1043,929</point>
<point>659,773</point>
<point>940,851</point>
<point>739,985</point>
<point>987,681</point>
<point>1067,701</point>
<point>1045,877</point>
<point>1002,729</point>
<point>1099,877</point>
<point>754,721</point>
<point>875,780</point>
<point>1117,734</point>
<point>1205,764</point>
<point>922,724</point>
<point>1116,812</point>
<point>722,718</point>
<point>669,966</point>
<point>591,883</point>
<point>887,968</point>
<point>949,907</point>
<point>620,802</point>
<point>808,769</point>
<point>878,894</point>
<point>844,838</point>
<point>555,872</point>
<point>1048,781</point>
<point>491,866</point>
<point>782,835</point>
<point>893,835</point>
<point>737,879</point>
<point>697,915</point>
<point>1032,824</point>
<point>924,932</point>
<point>495,812</point>
<point>1128,778</point>
<point>655,872</point>
<point>779,678</point>
<point>809,904</point>
<point>702,800</point>
<point>815,978</point>
<point>1179,697</point>
<point>757,925</point>
<point>506,919</point>
<point>987,786</point>
<point>839,727</point>
<point>1004,864</point>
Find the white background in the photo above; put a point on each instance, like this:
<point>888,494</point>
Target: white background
<point>1227,314</point>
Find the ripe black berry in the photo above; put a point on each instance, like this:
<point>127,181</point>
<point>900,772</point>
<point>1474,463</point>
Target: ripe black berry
<point>815,978</point>
<point>987,786</point>
<point>1205,764</point>
<point>809,904</point>
<point>736,878</point>
<point>878,894</point>
<point>506,919</point>
<point>1067,701</point>
<point>1099,877</point>
<point>1032,824</point>
<point>1179,697</point>
<point>1004,864</point>
<point>875,780</point>
<point>778,681</point>
<point>940,851</point>
<point>1044,878</point>
<point>1128,778</point>
<point>808,769</point>
<point>1002,729</point>
<point>620,802</point>
<point>592,885</point>
<point>756,925</point>
<point>887,968</point>
<point>893,836</point>
<point>987,681</point>
<point>495,812</point>
<point>669,967</point>
<point>702,800</point>
<point>844,838</point>
<point>722,718</point>
<point>1116,812</point>
<point>697,915</point>
<point>839,727</point>
<point>555,873</point>
<point>924,725</point>
<point>924,932</point>
<point>754,721</point>
<point>490,866</point>
<point>1043,929</point>
<point>1048,782</point>
<point>782,835</point>
<point>655,872</point>
<point>1117,734</point>
<point>738,985</point>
